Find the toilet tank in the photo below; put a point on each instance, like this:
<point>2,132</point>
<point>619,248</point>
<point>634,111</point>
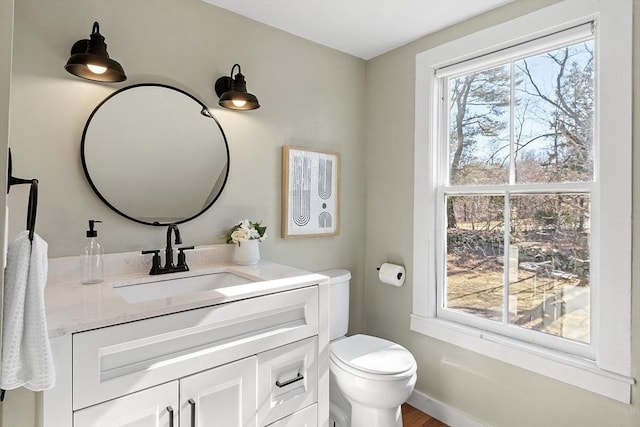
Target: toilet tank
<point>338,302</point>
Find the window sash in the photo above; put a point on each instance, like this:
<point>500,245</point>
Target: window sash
<point>503,327</point>
<point>506,55</point>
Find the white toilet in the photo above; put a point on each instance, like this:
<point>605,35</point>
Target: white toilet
<point>370,377</point>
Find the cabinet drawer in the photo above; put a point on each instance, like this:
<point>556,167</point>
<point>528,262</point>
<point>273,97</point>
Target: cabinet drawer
<point>287,380</point>
<point>122,359</point>
<point>147,407</point>
<point>308,417</point>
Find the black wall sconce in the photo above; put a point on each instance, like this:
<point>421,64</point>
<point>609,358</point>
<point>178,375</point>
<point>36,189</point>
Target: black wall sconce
<point>90,60</point>
<point>233,92</point>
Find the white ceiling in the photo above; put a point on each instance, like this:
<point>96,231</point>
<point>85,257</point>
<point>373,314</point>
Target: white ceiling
<point>362,28</point>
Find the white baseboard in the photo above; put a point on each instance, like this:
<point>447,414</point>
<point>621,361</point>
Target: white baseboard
<point>441,411</point>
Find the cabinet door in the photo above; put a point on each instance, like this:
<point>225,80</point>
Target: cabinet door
<point>154,407</point>
<point>220,397</point>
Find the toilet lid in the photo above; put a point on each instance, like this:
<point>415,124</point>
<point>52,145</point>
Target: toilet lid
<point>373,355</point>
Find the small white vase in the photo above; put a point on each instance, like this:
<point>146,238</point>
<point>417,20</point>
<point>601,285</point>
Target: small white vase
<point>247,252</point>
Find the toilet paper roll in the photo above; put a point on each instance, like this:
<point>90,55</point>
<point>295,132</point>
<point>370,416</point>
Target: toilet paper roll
<point>392,274</point>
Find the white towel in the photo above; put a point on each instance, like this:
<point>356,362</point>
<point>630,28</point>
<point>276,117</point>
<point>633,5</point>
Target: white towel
<point>26,352</point>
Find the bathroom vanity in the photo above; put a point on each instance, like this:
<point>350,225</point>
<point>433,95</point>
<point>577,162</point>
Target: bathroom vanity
<point>220,345</point>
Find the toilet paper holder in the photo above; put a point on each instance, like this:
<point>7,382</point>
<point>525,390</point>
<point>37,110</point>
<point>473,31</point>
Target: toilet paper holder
<point>398,275</point>
<point>391,274</point>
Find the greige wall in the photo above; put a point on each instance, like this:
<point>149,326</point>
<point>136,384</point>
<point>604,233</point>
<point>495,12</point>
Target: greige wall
<point>492,392</point>
<point>310,96</point>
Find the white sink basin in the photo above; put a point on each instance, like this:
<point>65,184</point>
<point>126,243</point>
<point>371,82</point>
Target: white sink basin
<point>171,287</point>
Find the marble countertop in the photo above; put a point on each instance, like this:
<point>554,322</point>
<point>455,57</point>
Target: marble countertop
<point>73,307</point>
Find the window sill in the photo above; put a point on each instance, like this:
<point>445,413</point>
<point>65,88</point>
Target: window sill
<point>553,364</point>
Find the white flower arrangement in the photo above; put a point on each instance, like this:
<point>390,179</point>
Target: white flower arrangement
<point>246,230</point>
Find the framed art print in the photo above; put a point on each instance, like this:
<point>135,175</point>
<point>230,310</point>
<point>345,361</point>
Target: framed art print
<point>310,192</point>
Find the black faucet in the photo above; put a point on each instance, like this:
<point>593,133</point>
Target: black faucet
<point>168,251</point>
<point>156,268</point>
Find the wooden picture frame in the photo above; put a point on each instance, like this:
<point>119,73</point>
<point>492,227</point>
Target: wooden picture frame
<point>310,192</point>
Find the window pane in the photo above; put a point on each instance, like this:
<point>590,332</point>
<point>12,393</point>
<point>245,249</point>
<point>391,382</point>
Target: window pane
<point>549,288</point>
<point>479,127</point>
<point>475,236</point>
<point>553,115</point>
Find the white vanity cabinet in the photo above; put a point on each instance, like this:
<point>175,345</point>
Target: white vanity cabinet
<point>246,363</point>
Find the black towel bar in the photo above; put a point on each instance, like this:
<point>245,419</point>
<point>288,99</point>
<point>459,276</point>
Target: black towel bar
<point>32,208</point>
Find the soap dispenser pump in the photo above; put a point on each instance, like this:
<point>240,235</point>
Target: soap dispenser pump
<point>91,257</point>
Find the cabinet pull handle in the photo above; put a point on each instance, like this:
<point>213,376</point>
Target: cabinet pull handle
<point>192,403</point>
<point>291,381</point>
<point>170,411</point>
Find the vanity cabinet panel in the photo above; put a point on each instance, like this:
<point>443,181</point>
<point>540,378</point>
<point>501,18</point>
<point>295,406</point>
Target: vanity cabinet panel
<point>148,408</point>
<point>221,397</point>
<point>122,359</point>
<point>307,417</point>
<point>287,380</point>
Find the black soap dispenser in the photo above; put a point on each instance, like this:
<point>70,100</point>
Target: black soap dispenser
<point>91,257</point>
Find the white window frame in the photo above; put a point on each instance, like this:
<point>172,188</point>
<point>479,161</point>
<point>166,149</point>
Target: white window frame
<point>606,369</point>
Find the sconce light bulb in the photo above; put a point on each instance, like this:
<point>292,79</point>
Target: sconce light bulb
<point>96,69</point>
<point>239,102</point>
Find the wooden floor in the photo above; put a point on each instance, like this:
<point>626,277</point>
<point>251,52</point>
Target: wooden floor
<point>411,417</point>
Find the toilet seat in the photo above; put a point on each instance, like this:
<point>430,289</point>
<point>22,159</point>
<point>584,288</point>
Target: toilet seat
<point>372,357</point>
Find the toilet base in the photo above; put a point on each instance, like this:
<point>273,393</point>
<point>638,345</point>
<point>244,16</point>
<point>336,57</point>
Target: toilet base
<point>362,416</point>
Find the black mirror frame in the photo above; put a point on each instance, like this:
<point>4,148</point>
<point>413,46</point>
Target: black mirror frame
<point>106,202</point>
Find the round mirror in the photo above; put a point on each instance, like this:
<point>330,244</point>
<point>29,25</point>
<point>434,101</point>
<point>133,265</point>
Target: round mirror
<point>154,154</point>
